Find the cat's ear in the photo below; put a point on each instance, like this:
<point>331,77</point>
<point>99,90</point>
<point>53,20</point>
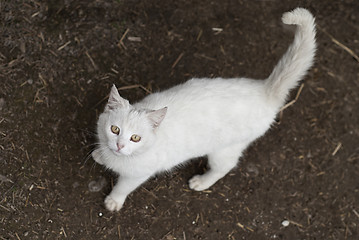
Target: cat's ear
<point>156,116</point>
<point>115,100</point>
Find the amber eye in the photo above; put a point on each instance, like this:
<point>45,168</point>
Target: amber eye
<point>135,138</point>
<point>115,129</point>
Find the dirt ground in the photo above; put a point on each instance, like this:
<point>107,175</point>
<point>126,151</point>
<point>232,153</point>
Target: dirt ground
<point>58,60</point>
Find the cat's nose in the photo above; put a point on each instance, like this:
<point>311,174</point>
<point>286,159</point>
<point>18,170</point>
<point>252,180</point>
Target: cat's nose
<point>119,146</point>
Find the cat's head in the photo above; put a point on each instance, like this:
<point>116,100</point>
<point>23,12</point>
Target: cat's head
<point>126,130</point>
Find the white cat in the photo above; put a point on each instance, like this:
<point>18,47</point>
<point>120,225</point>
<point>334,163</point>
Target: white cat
<point>214,117</point>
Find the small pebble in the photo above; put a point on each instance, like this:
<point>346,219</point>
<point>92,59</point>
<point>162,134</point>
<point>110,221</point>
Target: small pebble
<point>253,169</point>
<point>75,184</point>
<point>285,223</point>
<point>97,185</point>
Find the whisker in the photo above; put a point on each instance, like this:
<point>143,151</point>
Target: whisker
<point>88,155</point>
<point>92,166</point>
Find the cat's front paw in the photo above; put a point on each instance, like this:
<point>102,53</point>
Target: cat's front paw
<point>198,183</point>
<point>96,155</point>
<point>112,205</point>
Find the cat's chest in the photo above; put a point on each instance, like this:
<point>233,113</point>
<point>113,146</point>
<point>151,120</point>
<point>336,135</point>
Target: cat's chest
<point>146,164</point>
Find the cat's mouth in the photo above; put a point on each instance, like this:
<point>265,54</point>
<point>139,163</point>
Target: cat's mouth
<point>120,152</point>
<point>117,152</point>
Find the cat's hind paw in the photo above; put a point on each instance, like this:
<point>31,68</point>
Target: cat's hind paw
<point>199,183</point>
<point>112,205</point>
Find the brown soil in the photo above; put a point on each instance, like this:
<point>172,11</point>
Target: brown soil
<point>58,60</point>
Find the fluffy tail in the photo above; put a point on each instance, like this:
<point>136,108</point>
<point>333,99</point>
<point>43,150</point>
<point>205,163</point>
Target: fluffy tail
<point>298,58</point>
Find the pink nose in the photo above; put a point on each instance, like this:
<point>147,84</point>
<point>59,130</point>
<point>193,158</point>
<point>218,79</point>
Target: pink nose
<point>119,146</point>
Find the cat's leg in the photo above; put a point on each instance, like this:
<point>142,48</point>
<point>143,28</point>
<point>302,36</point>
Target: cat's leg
<point>220,163</point>
<point>97,156</point>
<point>123,187</point>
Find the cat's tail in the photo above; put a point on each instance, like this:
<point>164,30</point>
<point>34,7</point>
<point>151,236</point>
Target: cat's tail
<point>297,60</point>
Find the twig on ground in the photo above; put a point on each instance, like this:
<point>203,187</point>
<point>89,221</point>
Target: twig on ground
<point>241,226</point>
<point>177,60</point>
<point>296,224</point>
<point>356,213</point>
<point>5,179</point>
<point>199,35</point>
<point>341,45</point>
<point>63,231</point>
<point>134,39</point>
<point>17,236</point>
<point>7,209</point>
<point>149,192</point>
<point>63,46</point>
<point>244,227</point>
<point>337,149</point>
<point>294,100</point>
<point>119,232</point>
<point>91,60</point>
<point>120,43</point>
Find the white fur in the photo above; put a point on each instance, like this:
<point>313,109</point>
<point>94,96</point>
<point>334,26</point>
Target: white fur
<point>214,117</point>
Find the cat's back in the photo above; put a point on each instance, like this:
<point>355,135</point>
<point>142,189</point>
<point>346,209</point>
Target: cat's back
<point>205,91</point>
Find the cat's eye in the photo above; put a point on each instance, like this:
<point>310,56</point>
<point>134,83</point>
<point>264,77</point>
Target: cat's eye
<point>115,129</point>
<point>135,138</point>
